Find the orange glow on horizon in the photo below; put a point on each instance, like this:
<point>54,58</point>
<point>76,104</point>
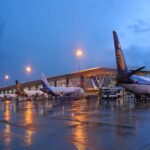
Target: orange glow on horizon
<point>7,117</point>
<point>28,120</point>
<point>79,137</point>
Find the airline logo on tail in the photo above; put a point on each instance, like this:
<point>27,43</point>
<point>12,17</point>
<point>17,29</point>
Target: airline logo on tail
<point>120,60</point>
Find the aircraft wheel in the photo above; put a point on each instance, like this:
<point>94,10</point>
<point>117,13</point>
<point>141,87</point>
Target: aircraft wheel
<point>138,98</point>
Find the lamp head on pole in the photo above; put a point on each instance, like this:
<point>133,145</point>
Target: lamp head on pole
<point>79,53</point>
<point>6,77</point>
<point>28,69</point>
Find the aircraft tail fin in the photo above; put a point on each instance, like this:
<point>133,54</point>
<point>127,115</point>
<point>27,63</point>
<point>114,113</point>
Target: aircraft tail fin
<point>121,64</point>
<point>45,83</point>
<point>123,74</point>
<point>19,89</point>
<point>46,87</point>
<point>122,69</point>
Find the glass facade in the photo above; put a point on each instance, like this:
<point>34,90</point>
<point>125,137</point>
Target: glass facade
<point>33,88</point>
<point>88,83</point>
<point>74,82</point>
<point>39,87</point>
<point>61,82</point>
<point>14,91</point>
<point>51,83</point>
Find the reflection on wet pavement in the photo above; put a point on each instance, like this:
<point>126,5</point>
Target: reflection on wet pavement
<point>77,125</point>
<point>7,129</point>
<point>79,132</point>
<point>28,120</point>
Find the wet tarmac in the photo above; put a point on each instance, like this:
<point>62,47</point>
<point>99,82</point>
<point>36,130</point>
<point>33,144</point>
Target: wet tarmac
<point>75,125</point>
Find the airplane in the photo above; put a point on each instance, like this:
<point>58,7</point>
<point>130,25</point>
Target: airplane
<point>76,92</point>
<point>7,96</point>
<point>138,85</point>
<point>29,94</point>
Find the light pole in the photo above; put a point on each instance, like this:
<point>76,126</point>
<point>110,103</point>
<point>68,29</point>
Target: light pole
<point>6,77</point>
<point>28,70</point>
<point>79,54</point>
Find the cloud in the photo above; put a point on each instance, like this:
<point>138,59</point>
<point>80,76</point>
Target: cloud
<point>140,26</point>
<point>137,56</point>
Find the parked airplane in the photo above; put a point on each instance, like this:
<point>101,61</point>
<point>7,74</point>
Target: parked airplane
<point>138,85</point>
<point>29,94</point>
<point>76,92</point>
<point>7,96</point>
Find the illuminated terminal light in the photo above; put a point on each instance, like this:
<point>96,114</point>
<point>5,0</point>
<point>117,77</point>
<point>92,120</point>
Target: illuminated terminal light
<point>28,69</point>
<point>79,53</point>
<point>6,77</point>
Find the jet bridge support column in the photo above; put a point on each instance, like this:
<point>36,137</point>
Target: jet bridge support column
<point>14,91</point>
<point>6,92</point>
<point>36,86</point>
<point>55,83</point>
<point>67,82</point>
<point>82,82</point>
<point>2,92</point>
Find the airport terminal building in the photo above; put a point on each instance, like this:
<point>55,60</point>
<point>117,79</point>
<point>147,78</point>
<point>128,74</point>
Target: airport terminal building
<point>89,79</point>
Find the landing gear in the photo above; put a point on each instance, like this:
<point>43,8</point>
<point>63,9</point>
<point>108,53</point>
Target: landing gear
<point>138,98</point>
<point>28,100</point>
<point>141,98</point>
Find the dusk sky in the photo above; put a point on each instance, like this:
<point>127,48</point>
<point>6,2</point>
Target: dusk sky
<point>46,33</point>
